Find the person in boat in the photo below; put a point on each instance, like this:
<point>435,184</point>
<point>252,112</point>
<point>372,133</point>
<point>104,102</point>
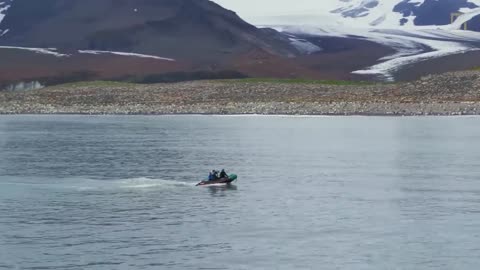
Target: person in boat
<point>223,174</point>
<point>213,175</point>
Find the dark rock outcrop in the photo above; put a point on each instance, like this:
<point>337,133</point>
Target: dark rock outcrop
<point>432,12</point>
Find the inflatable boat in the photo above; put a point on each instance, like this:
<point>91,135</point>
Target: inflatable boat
<point>221,181</point>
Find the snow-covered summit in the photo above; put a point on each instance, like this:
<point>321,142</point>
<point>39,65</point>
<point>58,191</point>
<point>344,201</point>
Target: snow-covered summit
<point>354,13</point>
<point>394,13</point>
<point>417,30</point>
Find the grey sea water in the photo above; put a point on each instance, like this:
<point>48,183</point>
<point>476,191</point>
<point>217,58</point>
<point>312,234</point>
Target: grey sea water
<point>117,192</point>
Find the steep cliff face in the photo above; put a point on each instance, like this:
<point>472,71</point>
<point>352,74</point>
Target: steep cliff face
<point>194,30</point>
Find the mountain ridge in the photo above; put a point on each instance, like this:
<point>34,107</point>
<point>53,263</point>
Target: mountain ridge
<point>364,13</point>
<point>104,39</point>
<point>171,28</point>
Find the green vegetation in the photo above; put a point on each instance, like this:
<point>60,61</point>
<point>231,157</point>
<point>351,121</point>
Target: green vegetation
<point>246,80</point>
<point>94,84</point>
<point>297,81</point>
<point>131,83</point>
<point>85,79</point>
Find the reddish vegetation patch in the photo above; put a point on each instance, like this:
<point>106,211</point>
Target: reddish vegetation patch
<point>344,55</point>
<point>23,65</point>
<point>257,63</point>
<point>339,58</point>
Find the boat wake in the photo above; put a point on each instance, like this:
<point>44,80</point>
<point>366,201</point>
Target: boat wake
<point>144,182</point>
<point>83,184</point>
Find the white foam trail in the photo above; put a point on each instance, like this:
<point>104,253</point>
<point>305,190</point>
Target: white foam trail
<point>144,182</point>
<point>82,184</point>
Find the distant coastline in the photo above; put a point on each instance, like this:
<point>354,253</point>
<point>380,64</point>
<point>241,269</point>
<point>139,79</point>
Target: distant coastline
<point>347,109</point>
<point>455,93</point>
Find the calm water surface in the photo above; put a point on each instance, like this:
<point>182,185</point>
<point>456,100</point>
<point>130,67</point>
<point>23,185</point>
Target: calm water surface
<point>104,192</point>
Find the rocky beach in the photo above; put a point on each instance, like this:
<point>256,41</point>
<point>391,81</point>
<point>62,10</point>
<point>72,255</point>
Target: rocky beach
<point>456,93</point>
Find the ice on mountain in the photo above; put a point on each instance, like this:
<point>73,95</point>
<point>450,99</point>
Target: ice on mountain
<point>304,45</point>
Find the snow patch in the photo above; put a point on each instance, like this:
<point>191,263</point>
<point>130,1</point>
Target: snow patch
<point>50,51</point>
<point>126,54</point>
<point>53,51</point>
<point>304,46</point>
<point>3,11</point>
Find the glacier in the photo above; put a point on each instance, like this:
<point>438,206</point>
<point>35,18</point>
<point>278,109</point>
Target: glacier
<point>358,13</point>
<point>380,21</point>
<point>409,44</point>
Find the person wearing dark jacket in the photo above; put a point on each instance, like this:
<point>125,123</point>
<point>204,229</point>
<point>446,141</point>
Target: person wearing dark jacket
<point>223,174</point>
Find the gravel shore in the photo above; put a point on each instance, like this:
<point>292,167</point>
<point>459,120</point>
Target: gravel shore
<point>447,94</point>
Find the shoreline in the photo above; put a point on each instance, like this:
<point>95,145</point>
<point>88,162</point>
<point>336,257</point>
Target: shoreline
<point>406,110</point>
<point>450,94</point>
<point>251,115</point>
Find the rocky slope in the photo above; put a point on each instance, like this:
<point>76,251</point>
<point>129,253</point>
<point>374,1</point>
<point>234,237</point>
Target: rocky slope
<point>447,94</point>
<point>190,30</point>
<point>125,39</point>
<point>135,38</point>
